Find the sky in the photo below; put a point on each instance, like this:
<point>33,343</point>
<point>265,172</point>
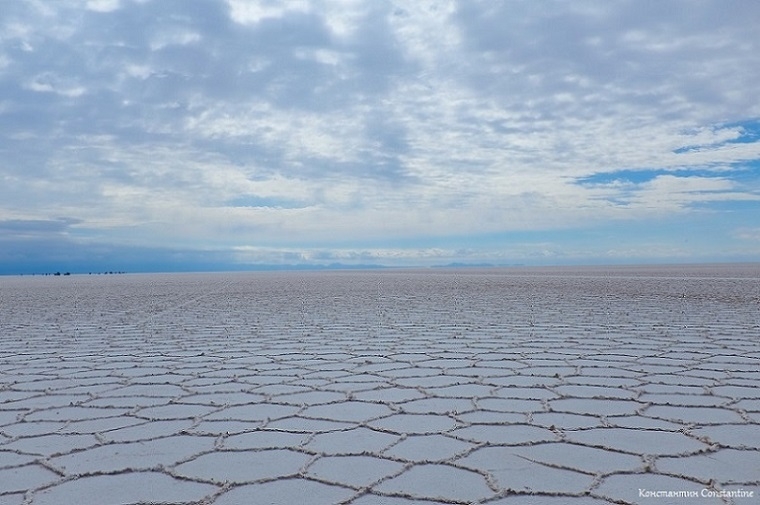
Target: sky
<point>154,135</point>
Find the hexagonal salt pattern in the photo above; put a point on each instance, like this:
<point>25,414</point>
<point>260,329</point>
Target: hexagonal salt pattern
<point>501,387</point>
<point>244,466</point>
<point>133,487</point>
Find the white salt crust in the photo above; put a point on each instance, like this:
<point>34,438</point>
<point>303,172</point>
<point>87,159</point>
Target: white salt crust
<point>506,386</point>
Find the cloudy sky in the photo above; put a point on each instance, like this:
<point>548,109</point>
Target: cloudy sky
<point>211,134</point>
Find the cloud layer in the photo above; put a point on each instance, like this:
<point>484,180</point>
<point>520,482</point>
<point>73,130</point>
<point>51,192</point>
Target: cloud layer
<point>393,132</point>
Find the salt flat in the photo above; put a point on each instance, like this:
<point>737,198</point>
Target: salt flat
<point>506,386</point>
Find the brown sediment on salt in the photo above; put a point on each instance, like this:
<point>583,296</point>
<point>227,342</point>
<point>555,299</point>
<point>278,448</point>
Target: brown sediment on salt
<point>504,386</point>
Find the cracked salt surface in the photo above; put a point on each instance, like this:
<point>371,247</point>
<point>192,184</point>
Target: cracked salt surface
<point>286,492</point>
<point>499,387</point>
<point>442,482</point>
<point>638,441</point>
<point>518,472</point>
<point>138,455</point>
<point>128,488</point>
<point>428,448</point>
<point>355,471</point>
<point>244,466</point>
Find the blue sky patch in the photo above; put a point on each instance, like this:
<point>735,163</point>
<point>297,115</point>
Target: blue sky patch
<point>744,171</point>
<point>750,133</point>
<point>631,176</point>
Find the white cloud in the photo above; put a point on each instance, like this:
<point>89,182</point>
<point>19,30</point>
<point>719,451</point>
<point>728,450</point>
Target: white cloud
<point>174,37</point>
<point>299,134</point>
<point>323,56</point>
<point>747,234</point>
<point>48,82</point>
<point>426,33</point>
<point>352,121</point>
<point>254,11</point>
<point>343,17</point>
<point>103,5</point>
<point>138,71</point>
